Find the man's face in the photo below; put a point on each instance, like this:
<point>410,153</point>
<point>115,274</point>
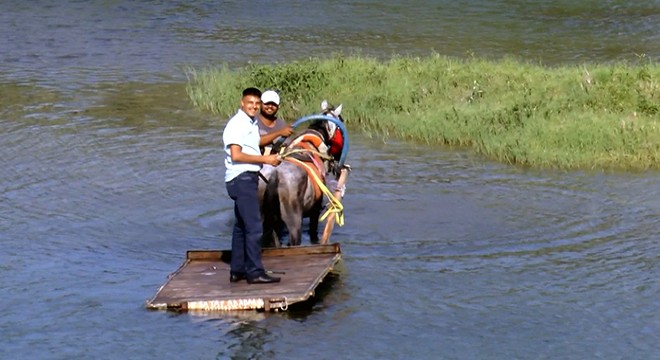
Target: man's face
<point>250,104</point>
<point>269,109</point>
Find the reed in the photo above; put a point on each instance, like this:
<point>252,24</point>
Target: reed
<point>598,116</point>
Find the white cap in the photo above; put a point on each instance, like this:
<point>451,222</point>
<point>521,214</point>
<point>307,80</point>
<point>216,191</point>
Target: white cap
<point>270,96</point>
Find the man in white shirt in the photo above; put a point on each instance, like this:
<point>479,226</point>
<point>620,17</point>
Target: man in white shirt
<point>243,161</point>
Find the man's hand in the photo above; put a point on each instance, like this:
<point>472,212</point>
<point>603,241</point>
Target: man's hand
<point>288,130</point>
<point>273,159</point>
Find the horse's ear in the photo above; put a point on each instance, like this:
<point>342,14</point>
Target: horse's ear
<point>324,105</point>
<point>337,110</point>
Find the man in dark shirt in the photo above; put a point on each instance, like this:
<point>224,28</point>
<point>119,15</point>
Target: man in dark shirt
<point>272,129</point>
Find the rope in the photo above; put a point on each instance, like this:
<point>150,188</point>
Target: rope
<point>284,153</point>
<point>334,205</point>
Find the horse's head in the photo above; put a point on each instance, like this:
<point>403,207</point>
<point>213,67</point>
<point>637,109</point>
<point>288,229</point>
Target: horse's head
<point>335,112</point>
<point>321,139</point>
<point>331,136</point>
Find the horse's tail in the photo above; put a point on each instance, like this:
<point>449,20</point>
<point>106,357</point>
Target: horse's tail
<point>271,211</point>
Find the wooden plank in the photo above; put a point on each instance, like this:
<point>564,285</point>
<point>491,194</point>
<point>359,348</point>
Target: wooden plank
<point>202,281</point>
<point>225,255</point>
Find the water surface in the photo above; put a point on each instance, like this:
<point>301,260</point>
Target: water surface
<point>108,176</point>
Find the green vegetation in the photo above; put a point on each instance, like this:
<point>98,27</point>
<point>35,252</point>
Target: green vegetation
<point>593,116</point>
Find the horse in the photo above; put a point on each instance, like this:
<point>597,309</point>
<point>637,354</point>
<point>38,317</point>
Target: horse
<point>288,192</point>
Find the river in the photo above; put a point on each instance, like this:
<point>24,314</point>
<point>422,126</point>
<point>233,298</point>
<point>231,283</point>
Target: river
<point>108,176</point>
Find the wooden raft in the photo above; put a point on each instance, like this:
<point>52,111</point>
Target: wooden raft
<point>202,281</point>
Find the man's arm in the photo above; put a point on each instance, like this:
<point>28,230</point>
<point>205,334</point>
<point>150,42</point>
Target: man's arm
<point>271,136</point>
<point>237,155</point>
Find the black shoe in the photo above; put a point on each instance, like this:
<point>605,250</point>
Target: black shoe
<point>236,277</point>
<point>263,279</point>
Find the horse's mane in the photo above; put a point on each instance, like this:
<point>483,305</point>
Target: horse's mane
<point>320,127</point>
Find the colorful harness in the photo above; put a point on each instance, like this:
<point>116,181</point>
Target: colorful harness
<point>308,151</point>
<point>313,147</point>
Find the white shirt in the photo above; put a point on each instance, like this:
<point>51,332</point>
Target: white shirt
<point>243,131</point>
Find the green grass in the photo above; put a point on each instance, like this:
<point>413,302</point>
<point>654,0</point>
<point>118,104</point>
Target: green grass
<point>593,116</point>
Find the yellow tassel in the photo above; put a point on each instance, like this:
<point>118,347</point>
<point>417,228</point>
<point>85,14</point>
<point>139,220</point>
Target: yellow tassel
<point>334,205</point>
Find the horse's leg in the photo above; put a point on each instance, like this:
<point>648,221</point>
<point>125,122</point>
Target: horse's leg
<point>269,237</point>
<point>291,210</point>
<point>270,211</point>
<point>292,190</point>
<point>314,215</point>
<point>282,231</point>
<point>293,220</point>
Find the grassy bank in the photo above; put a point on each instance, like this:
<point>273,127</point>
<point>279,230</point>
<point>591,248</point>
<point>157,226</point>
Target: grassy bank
<point>592,116</point>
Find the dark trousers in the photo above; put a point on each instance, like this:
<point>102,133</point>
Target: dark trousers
<point>246,236</point>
